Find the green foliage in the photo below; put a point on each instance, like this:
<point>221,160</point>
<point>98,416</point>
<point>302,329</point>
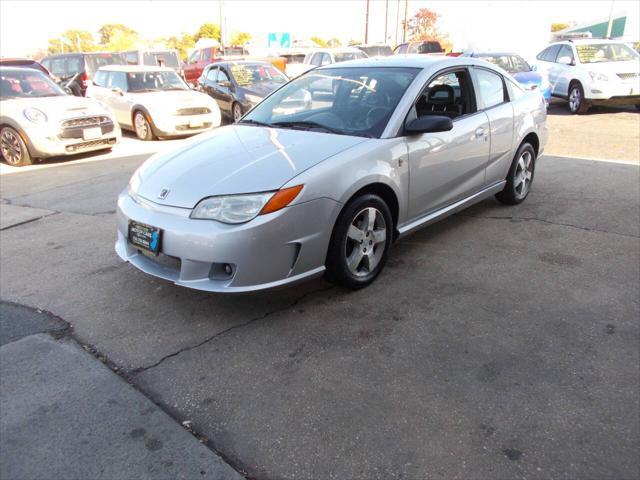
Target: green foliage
<point>353,42</point>
<point>182,44</point>
<point>555,27</point>
<point>334,42</point>
<point>240,38</point>
<point>120,31</point>
<point>208,30</point>
<point>72,41</point>
<point>319,42</point>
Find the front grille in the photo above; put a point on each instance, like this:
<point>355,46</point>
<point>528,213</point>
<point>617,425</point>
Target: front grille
<point>81,122</point>
<point>628,76</point>
<point>78,147</point>
<point>167,261</point>
<point>183,128</point>
<point>193,111</point>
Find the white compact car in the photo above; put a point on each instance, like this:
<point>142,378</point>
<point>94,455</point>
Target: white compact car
<point>592,72</point>
<point>38,119</point>
<point>154,101</point>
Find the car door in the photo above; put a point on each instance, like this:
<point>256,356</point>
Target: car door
<point>97,89</point>
<point>445,167</point>
<point>118,98</point>
<point>225,88</point>
<point>212,88</point>
<point>560,73</point>
<point>545,62</point>
<point>493,98</point>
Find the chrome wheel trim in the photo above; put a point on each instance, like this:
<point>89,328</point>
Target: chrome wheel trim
<point>366,241</point>
<point>142,126</point>
<point>10,147</point>
<point>523,175</point>
<point>574,99</point>
<point>237,112</point>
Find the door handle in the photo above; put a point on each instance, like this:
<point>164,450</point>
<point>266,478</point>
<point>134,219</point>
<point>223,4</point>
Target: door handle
<point>480,132</point>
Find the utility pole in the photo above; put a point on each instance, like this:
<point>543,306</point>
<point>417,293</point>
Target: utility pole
<point>221,23</point>
<point>397,22</point>
<point>610,24</point>
<point>386,15</point>
<point>366,25</point>
<point>404,24</point>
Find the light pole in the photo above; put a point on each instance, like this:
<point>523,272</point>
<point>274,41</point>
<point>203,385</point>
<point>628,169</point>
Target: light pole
<point>610,23</point>
<point>366,25</point>
<point>221,23</point>
<point>386,15</point>
<point>404,24</point>
<point>397,22</point>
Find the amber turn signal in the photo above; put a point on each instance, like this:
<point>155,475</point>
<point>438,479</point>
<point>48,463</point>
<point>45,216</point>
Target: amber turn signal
<point>281,199</point>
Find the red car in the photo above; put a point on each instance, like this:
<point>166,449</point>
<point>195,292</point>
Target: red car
<point>201,57</point>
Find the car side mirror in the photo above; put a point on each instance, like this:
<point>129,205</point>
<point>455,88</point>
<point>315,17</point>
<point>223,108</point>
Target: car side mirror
<point>117,91</point>
<point>429,124</point>
<point>565,60</point>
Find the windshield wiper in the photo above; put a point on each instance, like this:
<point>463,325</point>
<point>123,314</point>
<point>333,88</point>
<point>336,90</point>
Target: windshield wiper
<point>308,125</point>
<point>248,121</point>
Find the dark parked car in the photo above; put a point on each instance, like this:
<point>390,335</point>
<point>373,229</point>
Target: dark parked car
<point>24,63</point>
<point>76,70</point>
<point>201,57</point>
<point>432,47</point>
<point>238,86</point>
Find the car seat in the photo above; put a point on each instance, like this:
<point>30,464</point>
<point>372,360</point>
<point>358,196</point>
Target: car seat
<point>440,100</point>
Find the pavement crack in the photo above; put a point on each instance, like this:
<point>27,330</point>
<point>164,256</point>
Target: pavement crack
<point>28,221</point>
<point>293,304</point>
<point>542,220</point>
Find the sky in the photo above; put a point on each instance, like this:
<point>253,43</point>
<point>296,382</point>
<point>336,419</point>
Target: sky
<point>26,25</point>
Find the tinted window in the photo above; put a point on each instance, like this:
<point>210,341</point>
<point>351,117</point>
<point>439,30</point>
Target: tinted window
<point>565,51</point>
<point>430,47</point>
<point>100,78</point>
<point>490,88</point>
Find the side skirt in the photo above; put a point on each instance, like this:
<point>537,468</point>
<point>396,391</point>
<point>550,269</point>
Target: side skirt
<point>450,209</point>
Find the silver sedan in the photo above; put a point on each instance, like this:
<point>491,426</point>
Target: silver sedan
<point>385,147</point>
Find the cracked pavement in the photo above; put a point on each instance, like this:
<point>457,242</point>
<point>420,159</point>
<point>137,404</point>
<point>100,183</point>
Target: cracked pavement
<point>499,343</point>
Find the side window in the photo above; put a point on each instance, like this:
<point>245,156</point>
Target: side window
<point>131,58</point>
<point>326,59</point>
<point>490,88</point>
<point>117,80</point>
<point>447,94</point>
<point>46,63</point>
<point>100,78</point>
<point>212,74</point>
<point>75,65</point>
<point>403,48</point>
<point>565,51</point>
<point>193,58</point>
<point>58,67</point>
<point>413,48</point>
<point>316,59</point>
<point>222,76</point>
<point>206,55</point>
<point>550,53</point>
<point>541,55</point>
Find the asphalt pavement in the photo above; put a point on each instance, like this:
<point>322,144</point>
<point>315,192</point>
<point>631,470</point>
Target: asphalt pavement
<point>499,343</point>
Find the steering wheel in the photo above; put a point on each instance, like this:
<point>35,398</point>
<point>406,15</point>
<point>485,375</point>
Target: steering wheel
<point>374,115</point>
<point>379,99</point>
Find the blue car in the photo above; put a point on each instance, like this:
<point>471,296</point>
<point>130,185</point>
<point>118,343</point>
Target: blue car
<point>519,68</point>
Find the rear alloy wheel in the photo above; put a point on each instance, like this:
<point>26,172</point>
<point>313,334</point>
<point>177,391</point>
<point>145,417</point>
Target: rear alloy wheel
<point>236,111</point>
<point>520,176</point>
<point>142,126</point>
<point>360,242</point>
<point>13,149</point>
<point>577,102</point>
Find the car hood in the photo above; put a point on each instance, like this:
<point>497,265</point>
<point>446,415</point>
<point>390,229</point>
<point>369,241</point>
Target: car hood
<point>56,108</point>
<point>528,78</point>
<point>172,99</point>
<point>236,159</point>
<point>631,66</point>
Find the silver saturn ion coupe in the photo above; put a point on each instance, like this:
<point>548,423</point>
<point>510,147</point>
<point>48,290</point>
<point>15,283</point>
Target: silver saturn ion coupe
<point>389,146</point>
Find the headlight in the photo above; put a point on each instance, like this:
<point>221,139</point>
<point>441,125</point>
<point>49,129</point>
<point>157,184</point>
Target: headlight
<point>254,99</point>
<point>598,77</point>
<point>242,208</point>
<point>34,115</point>
<point>232,208</point>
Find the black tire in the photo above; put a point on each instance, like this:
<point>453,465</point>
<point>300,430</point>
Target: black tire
<point>13,149</point>
<point>577,103</point>
<point>143,126</point>
<point>512,193</point>
<point>638,106</point>
<point>236,112</point>
<point>341,245</point>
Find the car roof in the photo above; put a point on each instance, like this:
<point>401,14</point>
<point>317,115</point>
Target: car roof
<point>493,54</point>
<point>410,60</point>
<point>581,41</point>
<point>135,68</point>
<point>12,68</point>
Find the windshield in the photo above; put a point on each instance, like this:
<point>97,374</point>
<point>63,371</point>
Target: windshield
<point>346,101</point>
<point>247,74</point>
<point>605,52</point>
<point>27,84</point>
<point>150,81</point>
<point>345,56</point>
<point>510,63</point>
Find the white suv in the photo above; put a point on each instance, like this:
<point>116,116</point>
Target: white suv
<point>592,72</point>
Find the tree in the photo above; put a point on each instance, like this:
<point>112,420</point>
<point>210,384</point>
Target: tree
<point>121,40</point>
<point>208,30</point>
<point>353,42</point>
<point>319,42</point>
<point>423,26</point>
<point>240,38</point>
<point>334,42</point>
<point>559,26</point>
<point>108,30</point>
<point>72,41</point>
<point>182,44</point>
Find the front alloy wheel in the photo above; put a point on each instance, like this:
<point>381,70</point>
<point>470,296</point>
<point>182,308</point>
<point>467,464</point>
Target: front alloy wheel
<point>237,112</point>
<point>142,126</point>
<point>360,242</point>
<point>520,176</point>
<point>577,103</point>
<point>13,149</point>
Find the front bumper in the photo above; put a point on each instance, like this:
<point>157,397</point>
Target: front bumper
<point>181,125</point>
<point>271,250</point>
<point>48,142</point>
<point>616,92</point>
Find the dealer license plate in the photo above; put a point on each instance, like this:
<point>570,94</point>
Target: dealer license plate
<point>145,237</point>
<point>92,133</point>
